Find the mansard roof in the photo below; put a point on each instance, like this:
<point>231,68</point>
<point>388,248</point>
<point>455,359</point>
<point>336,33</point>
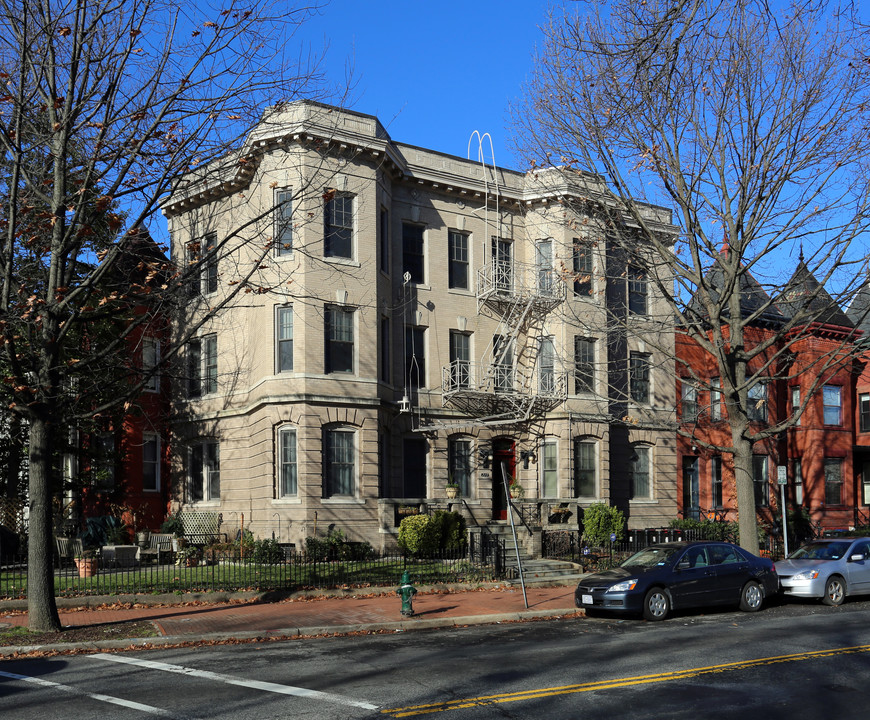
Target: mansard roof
<point>752,296</point>
<point>859,309</point>
<point>804,296</point>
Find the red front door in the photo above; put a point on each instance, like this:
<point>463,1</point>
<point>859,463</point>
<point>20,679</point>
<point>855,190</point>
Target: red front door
<point>503,468</point>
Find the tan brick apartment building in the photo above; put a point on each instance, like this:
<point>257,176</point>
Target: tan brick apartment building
<point>403,318</point>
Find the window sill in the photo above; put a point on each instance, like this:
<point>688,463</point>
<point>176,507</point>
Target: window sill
<point>465,292</point>
<point>643,501</point>
<point>284,256</point>
<point>342,500</point>
<point>342,261</point>
<point>289,500</point>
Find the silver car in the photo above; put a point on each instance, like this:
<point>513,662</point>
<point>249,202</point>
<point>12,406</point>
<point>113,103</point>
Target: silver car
<point>827,569</point>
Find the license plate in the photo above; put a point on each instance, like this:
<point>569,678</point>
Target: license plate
<point>586,599</point>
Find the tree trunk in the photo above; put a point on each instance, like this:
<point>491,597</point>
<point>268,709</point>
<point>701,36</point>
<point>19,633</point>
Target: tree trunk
<point>744,481</point>
<point>41,606</point>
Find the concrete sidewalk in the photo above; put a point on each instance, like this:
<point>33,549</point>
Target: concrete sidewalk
<point>433,608</point>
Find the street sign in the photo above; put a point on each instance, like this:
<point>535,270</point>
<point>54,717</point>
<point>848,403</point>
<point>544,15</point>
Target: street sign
<point>781,477</point>
<point>612,537</point>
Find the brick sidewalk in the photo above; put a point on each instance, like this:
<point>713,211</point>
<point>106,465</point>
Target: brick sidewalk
<point>325,612</point>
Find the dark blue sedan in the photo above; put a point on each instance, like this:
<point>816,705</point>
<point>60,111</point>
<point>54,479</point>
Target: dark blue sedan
<point>677,575</point>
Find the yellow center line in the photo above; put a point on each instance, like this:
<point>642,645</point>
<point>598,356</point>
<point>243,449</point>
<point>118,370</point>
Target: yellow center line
<point>412,710</point>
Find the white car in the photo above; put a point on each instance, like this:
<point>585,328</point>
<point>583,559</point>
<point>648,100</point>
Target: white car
<point>830,569</point>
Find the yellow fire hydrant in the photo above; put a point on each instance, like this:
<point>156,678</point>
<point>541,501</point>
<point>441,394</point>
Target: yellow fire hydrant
<point>407,592</point>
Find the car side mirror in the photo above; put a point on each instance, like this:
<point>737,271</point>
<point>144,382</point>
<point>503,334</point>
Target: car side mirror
<point>857,557</point>
<point>683,565</point>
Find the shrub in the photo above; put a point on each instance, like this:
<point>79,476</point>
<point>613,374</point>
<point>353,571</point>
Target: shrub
<point>427,534</point>
<point>599,521</point>
<point>172,524</point>
<point>707,529</point>
<point>267,552</point>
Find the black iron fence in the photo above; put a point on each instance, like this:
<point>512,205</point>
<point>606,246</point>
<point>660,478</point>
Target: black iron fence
<point>569,544</point>
<point>482,560</point>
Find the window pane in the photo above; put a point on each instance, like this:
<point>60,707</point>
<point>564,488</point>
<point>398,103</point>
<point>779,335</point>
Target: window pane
<point>338,231</point>
<point>460,355</point>
<point>210,384</point>
<point>798,475</point>
<point>213,470</point>
<point>639,472</point>
<point>547,367</point>
<point>283,223</point>
<point>716,480</point>
<point>544,263</point>
<point>415,357</point>
<point>412,251</point>
<point>582,268</point>
<point>584,365</point>
<point>864,410</point>
<point>287,471</point>
<point>339,340</point>
<point>549,470</point>
<point>457,268</point>
<point>284,333</point>
<point>151,462</point>
<point>689,402</point>
<point>459,457</point>
<point>195,477</point>
<point>757,402</point>
<point>150,359</point>
<point>715,399</point>
<point>833,481</point>
<point>639,377</point>
<point>194,368</point>
<point>584,469</point>
<point>760,477</point>
<point>503,363</point>
<point>831,398</point>
<point>636,291</point>
<point>339,462</point>
<point>210,268</point>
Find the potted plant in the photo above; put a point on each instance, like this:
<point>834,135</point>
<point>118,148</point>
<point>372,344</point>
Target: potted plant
<point>86,562</point>
<point>188,556</point>
<point>516,490</point>
<point>452,490</point>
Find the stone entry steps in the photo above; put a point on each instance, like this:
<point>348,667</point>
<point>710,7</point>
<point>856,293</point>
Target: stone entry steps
<point>536,571</point>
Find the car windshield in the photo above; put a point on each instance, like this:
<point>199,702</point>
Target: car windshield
<point>821,551</point>
<point>650,557</point>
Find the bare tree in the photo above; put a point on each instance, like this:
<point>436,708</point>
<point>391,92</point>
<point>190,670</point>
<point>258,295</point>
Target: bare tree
<point>750,122</point>
<point>104,107</point>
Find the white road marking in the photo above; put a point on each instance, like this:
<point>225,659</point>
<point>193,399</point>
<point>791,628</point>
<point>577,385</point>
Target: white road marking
<point>232,680</point>
<point>129,704</point>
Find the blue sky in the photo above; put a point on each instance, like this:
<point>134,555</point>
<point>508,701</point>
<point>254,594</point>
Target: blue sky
<point>433,73</point>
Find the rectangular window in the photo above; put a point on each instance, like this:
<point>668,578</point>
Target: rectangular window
<point>415,356</point>
<point>865,481</point>
<point>457,260</point>
<point>385,364</point>
<point>284,338</point>
<point>761,479</point>
<point>638,377</point>
<point>204,473</point>
<point>549,470</point>
<point>864,412</point>
<point>150,360</point>
<point>502,264</point>
<point>796,404</point>
<point>832,400</point>
<point>691,487</point>
<point>459,460</point>
<point>338,460</point>
<point>584,469</point>
<point>203,265</point>
<point>639,477</point>
<point>210,264</point>
<point>584,364</point>
<point>547,367</point>
<point>716,481</point>
<point>715,398</point>
<point>202,366</point>
<point>283,219</point>
<point>798,475</point>
<point>544,265</point>
<point>287,478</point>
<point>460,359</point>
<point>503,364</point>
<point>194,368</point>
<point>339,339</point>
<point>637,291</point>
<point>338,225</point>
<point>833,481</point>
<point>412,252</point>
<point>414,454</point>
<point>689,404</point>
<point>209,364</point>
<point>150,462</point>
<point>582,266</point>
<point>384,237</point>
<point>756,405</point>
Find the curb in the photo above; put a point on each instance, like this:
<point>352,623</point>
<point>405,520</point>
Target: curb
<point>10,651</point>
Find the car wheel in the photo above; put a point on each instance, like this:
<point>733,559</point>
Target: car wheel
<point>656,605</point>
<point>751,597</point>
<point>835,591</point>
